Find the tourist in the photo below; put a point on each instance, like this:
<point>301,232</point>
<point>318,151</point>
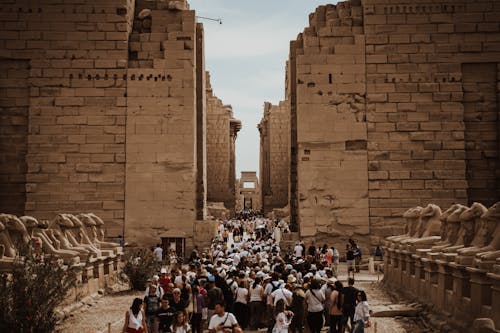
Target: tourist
<point>222,321</point>
<point>283,293</point>
<point>312,250</point>
<point>152,304</point>
<point>283,318</point>
<point>298,250</point>
<point>214,295</point>
<point>197,314</point>
<point>135,318</point>
<point>158,253</point>
<point>180,323</point>
<point>357,255</point>
<point>379,253</point>
<point>241,298</point>
<point>349,256</point>
<point>298,308</point>
<point>164,280</point>
<point>177,303</point>
<point>335,260</point>
<point>155,281</point>
<point>272,286</point>
<point>315,298</point>
<point>362,313</point>
<point>164,316</point>
<point>335,310</point>
<point>328,289</point>
<point>349,303</point>
<point>256,303</point>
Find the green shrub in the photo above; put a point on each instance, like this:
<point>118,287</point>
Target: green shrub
<point>30,294</point>
<point>140,266</point>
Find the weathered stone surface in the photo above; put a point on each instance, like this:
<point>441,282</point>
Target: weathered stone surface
<point>393,89</point>
<point>274,156</point>
<point>105,110</point>
<point>394,310</point>
<point>221,135</point>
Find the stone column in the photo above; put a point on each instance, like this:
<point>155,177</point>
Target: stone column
<point>233,133</point>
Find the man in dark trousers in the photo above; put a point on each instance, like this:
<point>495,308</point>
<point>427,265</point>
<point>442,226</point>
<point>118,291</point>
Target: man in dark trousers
<point>349,305</point>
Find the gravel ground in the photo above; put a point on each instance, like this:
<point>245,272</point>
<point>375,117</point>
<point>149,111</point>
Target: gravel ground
<point>95,316</point>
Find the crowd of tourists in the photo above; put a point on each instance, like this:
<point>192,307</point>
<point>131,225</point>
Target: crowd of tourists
<point>245,281</point>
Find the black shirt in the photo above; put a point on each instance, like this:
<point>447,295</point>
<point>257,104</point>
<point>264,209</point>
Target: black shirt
<point>349,298</point>
<point>165,318</point>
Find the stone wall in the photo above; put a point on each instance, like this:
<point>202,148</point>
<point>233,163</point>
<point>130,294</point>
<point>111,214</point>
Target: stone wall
<point>331,131</point>
<point>77,57</point>
<point>14,103</point>
<point>392,104</point>
<point>274,157</point>
<point>103,110</point>
<point>423,133</point>
<point>162,119</point>
<point>220,151</point>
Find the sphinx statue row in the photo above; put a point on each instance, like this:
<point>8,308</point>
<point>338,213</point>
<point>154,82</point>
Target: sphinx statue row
<point>449,259</point>
<point>75,239</point>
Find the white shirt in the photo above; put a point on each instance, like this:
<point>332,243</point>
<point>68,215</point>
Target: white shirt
<point>283,294</point>
<point>133,321</point>
<point>158,252</point>
<point>362,311</point>
<point>181,329</point>
<point>241,295</point>
<point>228,320</point>
<point>298,251</point>
<point>315,302</point>
<point>255,294</point>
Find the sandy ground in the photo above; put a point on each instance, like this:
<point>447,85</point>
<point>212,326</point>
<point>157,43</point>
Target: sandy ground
<point>109,311</point>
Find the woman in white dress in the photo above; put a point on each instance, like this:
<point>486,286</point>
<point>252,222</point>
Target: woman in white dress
<point>283,317</point>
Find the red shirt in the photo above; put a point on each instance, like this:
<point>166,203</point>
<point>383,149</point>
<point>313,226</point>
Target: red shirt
<point>164,281</point>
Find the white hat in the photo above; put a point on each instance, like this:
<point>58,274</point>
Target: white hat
<point>291,279</point>
<point>163,271</point>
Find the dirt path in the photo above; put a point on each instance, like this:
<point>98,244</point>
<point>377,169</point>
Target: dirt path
<point>95,316</point>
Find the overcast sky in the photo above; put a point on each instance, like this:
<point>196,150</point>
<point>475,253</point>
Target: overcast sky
<point>246,57</point>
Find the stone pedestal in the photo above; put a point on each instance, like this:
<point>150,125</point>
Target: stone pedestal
<point>388,265</point>
<point>444,285</point>
<point>495,296</point>
<point>428,292</point>
<point>461,293</point>
<point>480,295</point>
<point>407,263</point>
<point>397,269</point>
<point>416,281</point>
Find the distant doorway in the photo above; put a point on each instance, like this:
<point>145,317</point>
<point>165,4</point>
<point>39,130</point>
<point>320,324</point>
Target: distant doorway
<point>178,244</point>
<point>248,203</point>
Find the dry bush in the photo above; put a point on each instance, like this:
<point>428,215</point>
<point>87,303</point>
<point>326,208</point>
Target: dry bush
<point>30,294</point>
